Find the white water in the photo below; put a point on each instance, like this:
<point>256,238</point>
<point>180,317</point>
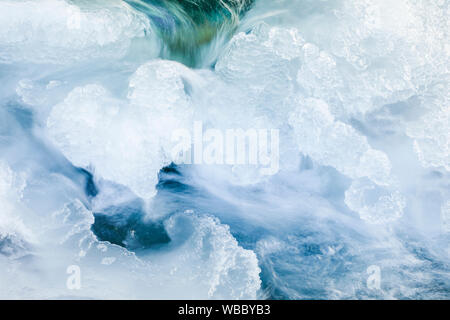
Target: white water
<point>358,90</point>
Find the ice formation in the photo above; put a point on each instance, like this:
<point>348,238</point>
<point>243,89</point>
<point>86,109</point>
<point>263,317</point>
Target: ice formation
<point>92,92</point>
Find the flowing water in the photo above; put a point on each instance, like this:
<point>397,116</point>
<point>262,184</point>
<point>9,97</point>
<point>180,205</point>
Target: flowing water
<point>352,97</point>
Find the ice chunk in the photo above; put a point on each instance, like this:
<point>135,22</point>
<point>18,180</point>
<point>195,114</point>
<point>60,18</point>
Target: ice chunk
<point>161,86</point>
<point>59,32</point>
<point>373,203</point>
<point>221,265</point>
<point>262,61</point>
<point>204,262</point>
<point>334,143</point>
<point>37,93</point>
<point>161,90</point>
<point>365,54</point>
<point>125,141</point>
<point>92,128</point>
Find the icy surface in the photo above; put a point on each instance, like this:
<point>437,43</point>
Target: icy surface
<point>208,264</point>
<point>127,141</point>
<point>88,106</point>
<point>92,129</point>
<point>56,31</point>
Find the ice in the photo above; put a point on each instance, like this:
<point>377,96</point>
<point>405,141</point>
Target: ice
<point>357,89</point>
<point>374,204</point>
<point>204,262</point>
<point>221,265</point>
<point>333,143</point>
<point>46,230</point>
<point>161,91</point>
<point>259,62</point>
<point>126,141</point>
<point>93,129</point>
<point>59,32</point>
<point>361,55</point>
<point>160,85</point>
<point>431,136</point>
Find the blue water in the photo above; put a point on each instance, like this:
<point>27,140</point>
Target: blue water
<point>359,98</point>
